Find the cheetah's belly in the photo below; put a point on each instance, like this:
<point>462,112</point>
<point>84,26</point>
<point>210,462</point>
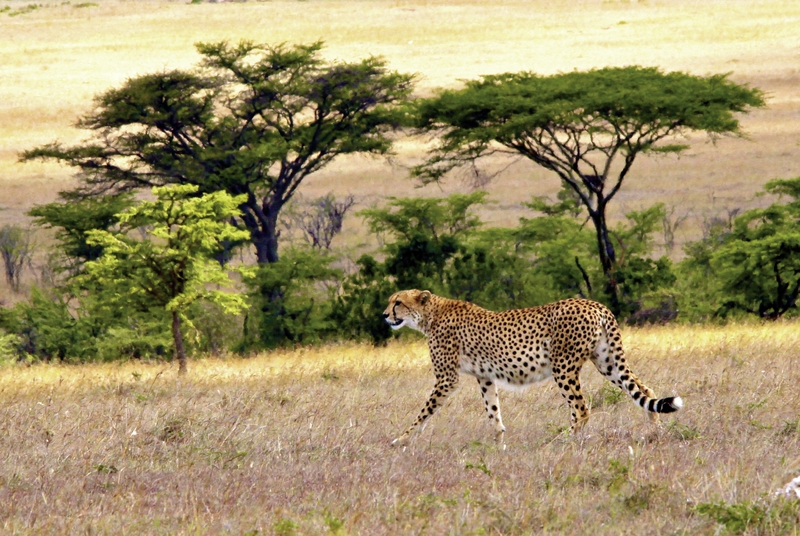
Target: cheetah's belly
<point>523,380</point>
<point>511,372</point>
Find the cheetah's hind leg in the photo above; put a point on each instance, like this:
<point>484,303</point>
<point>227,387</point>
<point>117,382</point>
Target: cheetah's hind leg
<point>491,402</point>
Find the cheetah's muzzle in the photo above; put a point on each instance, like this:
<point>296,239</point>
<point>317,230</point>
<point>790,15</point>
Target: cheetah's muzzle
<point>396,324</point>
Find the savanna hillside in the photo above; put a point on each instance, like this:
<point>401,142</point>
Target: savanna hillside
<point>296,441</point>
<point>56,58</point>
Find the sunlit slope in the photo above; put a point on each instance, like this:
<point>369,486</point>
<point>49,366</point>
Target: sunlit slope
<point>54,59</point>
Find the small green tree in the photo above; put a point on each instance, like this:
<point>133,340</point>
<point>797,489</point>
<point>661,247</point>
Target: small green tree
<point>426,233</point>
<point>45,328</point>
<point>586,127</point>
<point>745,264</point>
<point>560,249</point>
<point>363,294</point>
<point>301,312</point>
<point>698,285</point>
<point>170,266</point>
<point>636,274</point>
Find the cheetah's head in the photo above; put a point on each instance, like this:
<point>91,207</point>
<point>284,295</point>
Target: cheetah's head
<point>405,308</point>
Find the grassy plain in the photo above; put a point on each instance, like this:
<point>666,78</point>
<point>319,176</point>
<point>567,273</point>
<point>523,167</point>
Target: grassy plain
<point>298,442</point>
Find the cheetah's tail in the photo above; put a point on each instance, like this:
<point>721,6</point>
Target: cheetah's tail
<point>661,405</point>
<point>626,380</point>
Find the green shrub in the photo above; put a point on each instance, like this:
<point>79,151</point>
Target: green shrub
<point>9,343</point>
<point>290,301</point>
<point>213,332</point>
<point>138,339</point>
<point>357,309</point>
<point>47,329</point>
<point>780,517</point>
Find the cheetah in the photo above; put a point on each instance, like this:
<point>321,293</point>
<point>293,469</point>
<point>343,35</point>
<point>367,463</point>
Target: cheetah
<point>513,349</point>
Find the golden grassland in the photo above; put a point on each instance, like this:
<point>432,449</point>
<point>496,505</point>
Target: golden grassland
<point>298,442</point>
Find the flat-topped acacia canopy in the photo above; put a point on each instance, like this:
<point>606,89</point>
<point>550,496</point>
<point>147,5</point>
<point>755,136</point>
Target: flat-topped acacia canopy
<point>587,127</point>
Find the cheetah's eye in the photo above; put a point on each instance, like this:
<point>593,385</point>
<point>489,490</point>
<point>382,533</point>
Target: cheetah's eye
<point>397,303</point>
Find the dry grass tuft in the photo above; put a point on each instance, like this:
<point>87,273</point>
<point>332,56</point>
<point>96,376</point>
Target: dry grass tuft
<point>297,442</point>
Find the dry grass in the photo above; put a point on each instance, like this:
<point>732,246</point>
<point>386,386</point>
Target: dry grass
<point>298,442</point>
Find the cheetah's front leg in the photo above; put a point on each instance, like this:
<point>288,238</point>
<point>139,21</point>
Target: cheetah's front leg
<point>444,386</point>
<point>492,404</point>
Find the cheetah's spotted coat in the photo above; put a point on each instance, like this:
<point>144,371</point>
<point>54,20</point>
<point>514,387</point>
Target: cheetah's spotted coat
<point>516,348</point>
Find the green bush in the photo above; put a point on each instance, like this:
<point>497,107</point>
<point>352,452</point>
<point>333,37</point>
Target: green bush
<point>212,331</point>
<point>46,329</point>
<point>290,301</point>
<point>9,343</point>
<point>357,309</point>
<point>759,266</point>
<point>749,266</point>
<point>781,517</point>
<point>489,272</point>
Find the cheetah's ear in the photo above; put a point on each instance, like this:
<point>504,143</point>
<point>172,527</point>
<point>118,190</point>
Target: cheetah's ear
<point>424,296</point>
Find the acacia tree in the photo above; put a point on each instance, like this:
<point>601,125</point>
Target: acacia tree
<point>586,127</point>
<point>170,266</point>
<point>251,120</point>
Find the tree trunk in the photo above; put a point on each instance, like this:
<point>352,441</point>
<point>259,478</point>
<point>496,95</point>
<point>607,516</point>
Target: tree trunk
<point>262,222</point>
<point>266,248</point>
<point>608,257</point>
<point>180,351</point>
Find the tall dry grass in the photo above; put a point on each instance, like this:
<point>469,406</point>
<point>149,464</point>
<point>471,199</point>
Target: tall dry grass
<point>298,442</point>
